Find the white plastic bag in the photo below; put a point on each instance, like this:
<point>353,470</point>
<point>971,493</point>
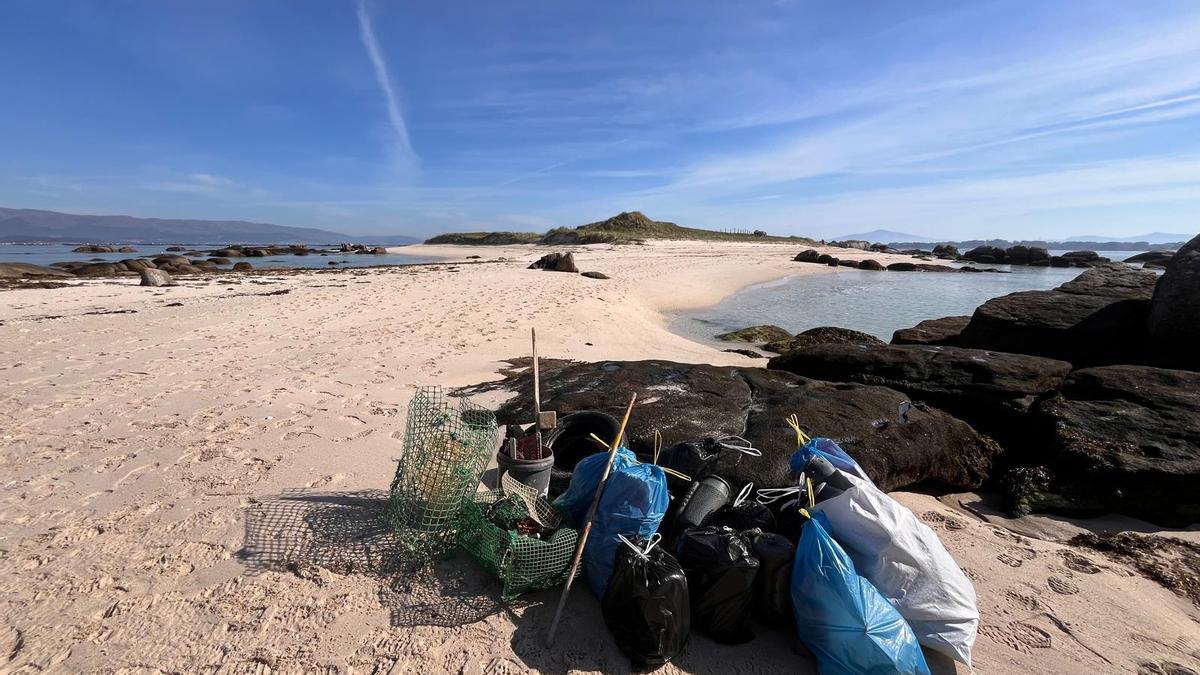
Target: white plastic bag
<point>907,563</point>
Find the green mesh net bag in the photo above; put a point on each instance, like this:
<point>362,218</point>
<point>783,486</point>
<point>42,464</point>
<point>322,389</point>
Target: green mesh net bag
<point>518,536</point>
<point>446,447</point>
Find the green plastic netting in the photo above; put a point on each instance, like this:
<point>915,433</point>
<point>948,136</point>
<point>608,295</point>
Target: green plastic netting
<point>446,447</point>
<point>496,531</point>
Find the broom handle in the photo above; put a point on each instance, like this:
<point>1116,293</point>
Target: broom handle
<point>587,527</point>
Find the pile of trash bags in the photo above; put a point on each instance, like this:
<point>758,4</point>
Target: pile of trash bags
<point>674,547</point>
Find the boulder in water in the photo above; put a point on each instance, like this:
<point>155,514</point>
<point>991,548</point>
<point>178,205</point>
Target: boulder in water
<point>822,335</point>
<point>759,334</point>
<point>943,331</point>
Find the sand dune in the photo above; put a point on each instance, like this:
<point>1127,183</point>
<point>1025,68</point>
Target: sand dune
<point>191,477</point>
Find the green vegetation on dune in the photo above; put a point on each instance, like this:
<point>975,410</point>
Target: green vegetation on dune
<point>623,228</point>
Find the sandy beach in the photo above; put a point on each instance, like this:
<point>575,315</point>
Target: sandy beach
<point>191,476</point>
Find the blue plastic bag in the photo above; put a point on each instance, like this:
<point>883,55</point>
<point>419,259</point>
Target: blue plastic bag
<point>840,616</point>
<point>574,503</point>
<point>824,447</point>
<point>634,503</point>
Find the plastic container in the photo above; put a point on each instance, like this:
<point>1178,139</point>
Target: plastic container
<point>703,499</point>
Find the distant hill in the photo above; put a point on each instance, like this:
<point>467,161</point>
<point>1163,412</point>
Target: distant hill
<point>31,225</point>
<point>884,237</point>
<point>1151,238</point>
<point>625,227</point>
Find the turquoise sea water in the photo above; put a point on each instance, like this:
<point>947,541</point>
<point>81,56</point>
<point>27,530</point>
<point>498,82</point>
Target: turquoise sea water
<point>878,303</point>
<point>44,254</point>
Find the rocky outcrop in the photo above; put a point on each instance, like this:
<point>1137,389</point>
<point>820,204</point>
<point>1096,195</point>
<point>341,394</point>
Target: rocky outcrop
<point>1151,258</point>
<point>1096,319</point>
<point>156,277</point>
<point>556,262</point>
<point>759,334</point>
<point>822,335</point>
<point>1173,327</point>
<point>848,263</point>
<point>943,331</point>
<point>946,252</point>
<point>922,267</point>
<point>852,243</point>
<point>991,390</point>
<point>897,445</point>
<point>28,271</point>
<point>985,254</point>
<point>1125,439</point>
<point>1078,259</point>
<point>870,265</point>
<point>94,248</point>
<point>809,256</point>
<point>1013,255</point>
<point>242,267</point>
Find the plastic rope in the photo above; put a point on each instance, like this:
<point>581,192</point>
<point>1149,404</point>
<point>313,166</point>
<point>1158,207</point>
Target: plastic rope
<point>743,495</point>
<point>772,495</point>
<point>794,422</point>
<point>745,447</point>
<point>657,445</point>
<point>650,544</point>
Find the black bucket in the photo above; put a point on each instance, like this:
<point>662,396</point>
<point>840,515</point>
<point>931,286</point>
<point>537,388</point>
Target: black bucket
<point>571,441</point>
<point>532,472</point>
<point>703,499</point>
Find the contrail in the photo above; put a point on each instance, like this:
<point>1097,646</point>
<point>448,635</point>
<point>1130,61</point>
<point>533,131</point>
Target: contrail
<point>403,147</point>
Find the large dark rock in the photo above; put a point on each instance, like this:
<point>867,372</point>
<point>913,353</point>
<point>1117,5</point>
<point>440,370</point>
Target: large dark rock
<point>1151,257</point>
<point>943,331</point>
<point>1026,255</point>
<point>946,251</point>
<point>688,402</point>
<point>764,333</point>
<point>94,248</point>
<point>871,265</point>
<point>1173,327</point>
<point>986,254</point>
<point>556,262</point>
<point>1096,319</point>
<point>96,270</point>
<point>822,335</point>
<point>156,277</point>
<point>809,256</point>
<point>1127,439</point>
<point>848,263</point>
<point>991,390</point>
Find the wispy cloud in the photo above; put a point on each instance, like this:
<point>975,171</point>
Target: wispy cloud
<point>403,147</point>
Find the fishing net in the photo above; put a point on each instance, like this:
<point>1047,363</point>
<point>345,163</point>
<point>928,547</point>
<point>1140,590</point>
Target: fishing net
<point>517,535</point>
<point>446,448</point>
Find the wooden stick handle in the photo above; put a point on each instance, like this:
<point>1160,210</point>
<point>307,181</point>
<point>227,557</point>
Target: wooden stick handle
<point>587,526</point>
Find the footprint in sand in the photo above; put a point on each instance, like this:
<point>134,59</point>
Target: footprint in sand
<point>1062,586</point>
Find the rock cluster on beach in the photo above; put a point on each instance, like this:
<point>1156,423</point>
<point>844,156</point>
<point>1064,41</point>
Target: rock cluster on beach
<point>1083,399</point>
<point>1090,387</point>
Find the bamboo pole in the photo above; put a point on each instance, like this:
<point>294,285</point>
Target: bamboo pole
<point>587,527</point>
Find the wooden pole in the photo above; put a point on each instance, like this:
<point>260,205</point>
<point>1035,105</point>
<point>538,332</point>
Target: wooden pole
<point>587,526</point>
<point>537,395</point>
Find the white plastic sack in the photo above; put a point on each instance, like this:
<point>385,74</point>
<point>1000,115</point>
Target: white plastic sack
<point>907,563</point>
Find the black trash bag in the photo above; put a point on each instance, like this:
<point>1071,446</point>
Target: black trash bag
<point>748,515</point>
<point>696,460</point>
<point>773,584</point>
<point>646,605</point>
<point>788,520</point>
<point>720,571</point>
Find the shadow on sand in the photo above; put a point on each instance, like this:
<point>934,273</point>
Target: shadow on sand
<point>300,531</point>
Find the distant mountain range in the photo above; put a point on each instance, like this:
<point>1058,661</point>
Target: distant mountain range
<point>35,226</point>
<point>884,236</point>
<point>1151,238</point>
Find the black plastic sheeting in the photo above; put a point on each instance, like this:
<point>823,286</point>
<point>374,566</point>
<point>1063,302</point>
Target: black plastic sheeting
<point>697,459</point>
<point>720,571</point>
<point>646,606</point>
<point>773,584</point>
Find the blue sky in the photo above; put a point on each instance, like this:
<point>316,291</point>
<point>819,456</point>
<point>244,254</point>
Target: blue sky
<point>946,119</point>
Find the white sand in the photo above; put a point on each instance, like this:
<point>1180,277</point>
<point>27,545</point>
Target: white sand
<point>141,452</point>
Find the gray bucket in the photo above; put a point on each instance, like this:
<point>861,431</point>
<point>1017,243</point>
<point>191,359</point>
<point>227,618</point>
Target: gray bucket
<point>532,472</point>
